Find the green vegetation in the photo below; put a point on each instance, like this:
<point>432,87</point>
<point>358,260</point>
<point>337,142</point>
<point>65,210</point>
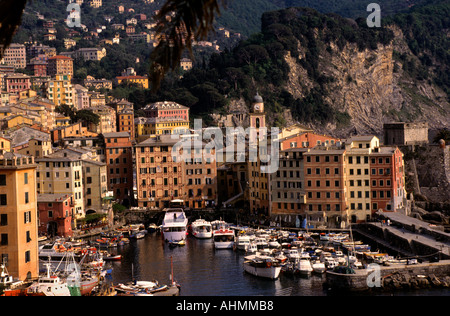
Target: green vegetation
<point>426,32</point>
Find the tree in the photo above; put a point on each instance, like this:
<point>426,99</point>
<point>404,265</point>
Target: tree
<point>87,117</point>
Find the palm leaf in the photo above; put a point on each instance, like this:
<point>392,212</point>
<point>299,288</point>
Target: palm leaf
<point>10,19</point>
<point>179,22</point>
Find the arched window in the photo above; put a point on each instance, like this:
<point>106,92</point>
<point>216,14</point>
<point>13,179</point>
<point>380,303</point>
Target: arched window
<point>257,122</point>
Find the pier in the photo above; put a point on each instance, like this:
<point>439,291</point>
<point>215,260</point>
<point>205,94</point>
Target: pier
<point>408,237</point>
<point>422,275</point>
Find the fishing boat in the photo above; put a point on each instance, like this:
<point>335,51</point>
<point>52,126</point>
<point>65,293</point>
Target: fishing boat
<point>262,266</point>
<point>7,281</point>
<point>201,229</point>
<point>174,225</point>
<point>224,238</point>
<point>49,285</point>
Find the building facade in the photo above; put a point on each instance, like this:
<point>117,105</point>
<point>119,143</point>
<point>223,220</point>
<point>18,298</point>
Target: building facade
<point>55,215</point>
<point>119,162</point>
<point>18,216</point>
<point>59,65</point>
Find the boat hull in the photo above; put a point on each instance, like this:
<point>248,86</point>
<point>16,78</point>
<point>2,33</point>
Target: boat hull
<point>224,244</point>
<point>263,272</point>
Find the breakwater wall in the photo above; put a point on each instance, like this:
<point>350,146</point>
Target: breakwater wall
<point>417,276</point>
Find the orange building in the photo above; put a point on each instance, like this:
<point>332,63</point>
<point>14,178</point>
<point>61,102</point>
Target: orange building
<point>307,140</point>
<point>59,65</point>
<point>158,176</point>
<point>125,122</point>
<point>119,161</point>
<point>325,186</point>
<point>18,215</point>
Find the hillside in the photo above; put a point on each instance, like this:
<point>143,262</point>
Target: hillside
<point>333,74</point>
<point>245,16</point>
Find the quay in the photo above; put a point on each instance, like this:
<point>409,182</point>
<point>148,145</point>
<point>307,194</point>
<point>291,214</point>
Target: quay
<point>422,275</point>
<point>409,238</point>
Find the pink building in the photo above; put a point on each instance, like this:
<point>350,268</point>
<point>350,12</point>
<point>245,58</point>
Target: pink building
<point>167,109</point>
<point>17,83</point>
<point>55,214</point>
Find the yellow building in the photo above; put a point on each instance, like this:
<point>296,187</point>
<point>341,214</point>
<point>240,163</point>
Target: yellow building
<point>358,186</point>
<point>18,216</point>
<point>62,174</point>
<point>147,126</point>
<point>59,90</point>
<point>140,80</point>
<point>5,145</point>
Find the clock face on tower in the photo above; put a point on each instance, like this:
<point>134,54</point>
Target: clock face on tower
<point>257,107</point>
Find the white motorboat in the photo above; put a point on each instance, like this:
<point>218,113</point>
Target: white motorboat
<point>224,238</point>
<point>274,244</point>
<point>201,229</point>
<point>262,266</point>
<point>304,266</point>
<point>292,254</point>
<point>261,242</point>
<point>174,225</point>
<point>318,267</point>
<point>242,242</point>
<point>251,248</point>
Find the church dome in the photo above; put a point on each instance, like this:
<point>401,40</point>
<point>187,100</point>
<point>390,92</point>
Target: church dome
<point>257,98</point>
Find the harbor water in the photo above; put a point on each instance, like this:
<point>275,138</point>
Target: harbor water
<point>201,270</point>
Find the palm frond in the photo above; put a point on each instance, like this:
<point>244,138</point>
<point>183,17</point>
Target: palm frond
<point>179,22</point>
<point>10,19</point>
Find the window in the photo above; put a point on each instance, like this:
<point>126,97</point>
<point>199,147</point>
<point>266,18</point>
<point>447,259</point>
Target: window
<point>3,219</point>
<point>25,178</point>
<point>3,199</point>
<point>2,179</point>
<point>4,239</point>
<point>27,198</point>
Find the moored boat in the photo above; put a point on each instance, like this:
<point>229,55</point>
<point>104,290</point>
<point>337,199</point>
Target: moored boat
<point>262,266</point>
<point>201,229</point>
<point>174,225</point>
<point>224,239</point>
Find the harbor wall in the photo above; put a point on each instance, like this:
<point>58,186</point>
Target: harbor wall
<point>416,276</point>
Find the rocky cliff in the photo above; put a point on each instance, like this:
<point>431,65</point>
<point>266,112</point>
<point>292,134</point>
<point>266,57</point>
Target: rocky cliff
<point>371,86</point>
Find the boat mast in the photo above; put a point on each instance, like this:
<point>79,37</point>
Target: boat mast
<point>171,270</point>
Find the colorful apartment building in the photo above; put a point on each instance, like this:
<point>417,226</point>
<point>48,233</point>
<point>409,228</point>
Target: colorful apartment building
<point>287,184</point>
<point>139,80</point>
<point>15,55</point>
<point>306,140</point>
<point>60,91</point>
<point>167,109</point>
<point>55,214</point>
<point>17,82</point>
<point>387,179</point>
<point>325,186</point>
<point>59,65</point>
<point>125,122</point>
<point>18,216</point>
<point>158,175</point>
<point>119,162</point>
<point>162,176</point>
<point>60,174</point>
